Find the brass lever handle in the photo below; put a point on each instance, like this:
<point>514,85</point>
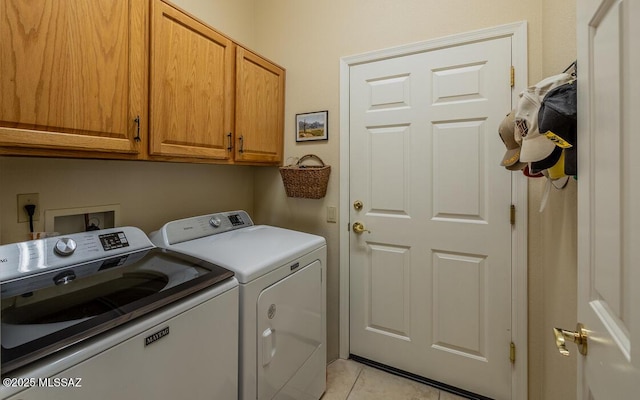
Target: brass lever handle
<point>579,337</point>
<point>358,227</point>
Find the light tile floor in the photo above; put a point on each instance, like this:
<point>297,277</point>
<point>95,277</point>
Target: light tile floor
<point>351,380</point>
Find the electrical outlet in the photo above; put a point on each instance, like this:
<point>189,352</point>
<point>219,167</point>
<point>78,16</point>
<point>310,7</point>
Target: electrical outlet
<point>23,200</point>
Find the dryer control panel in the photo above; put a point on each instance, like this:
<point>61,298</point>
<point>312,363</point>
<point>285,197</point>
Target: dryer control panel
<point>192,228</point>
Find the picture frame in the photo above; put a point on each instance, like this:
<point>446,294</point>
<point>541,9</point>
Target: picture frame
<point>312,126</point>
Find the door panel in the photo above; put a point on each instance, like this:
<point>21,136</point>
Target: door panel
<point>457,193</point>
<point>608,195</point>
<point>431,278</point>
<point>459,322</point>
<point>388,288</point>
<point>388,186</point>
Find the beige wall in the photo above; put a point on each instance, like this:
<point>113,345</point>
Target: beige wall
<point>308,38</point>
<point>552,290</point>
<point>235,18</point>
<point>149,193</point>
<point>553,239</point>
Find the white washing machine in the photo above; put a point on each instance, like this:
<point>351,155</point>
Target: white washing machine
<point>105,315</point>
<point>282,276</point>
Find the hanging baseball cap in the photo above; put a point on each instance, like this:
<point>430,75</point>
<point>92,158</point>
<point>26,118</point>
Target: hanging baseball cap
<point>546,163</point>
<point>557,120</point>
<point>571,161</point>
<point>557,170</point>
<point>535,146</point>
<point>527,172</point>
<point>511,159</point>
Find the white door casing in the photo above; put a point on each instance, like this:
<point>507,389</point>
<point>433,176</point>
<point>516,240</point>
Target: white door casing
<point>608,198</point>
<point>432,281</point>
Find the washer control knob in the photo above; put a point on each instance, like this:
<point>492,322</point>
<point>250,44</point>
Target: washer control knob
<point>64,277</point>
<point>215,222</point>
<point>65,247</point>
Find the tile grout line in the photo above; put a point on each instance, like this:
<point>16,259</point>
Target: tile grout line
<point>354,382</point>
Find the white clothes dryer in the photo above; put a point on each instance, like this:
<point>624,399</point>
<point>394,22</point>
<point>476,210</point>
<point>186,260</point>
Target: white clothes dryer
<point>282,276</point>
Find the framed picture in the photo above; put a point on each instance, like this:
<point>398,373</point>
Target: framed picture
<point>312,126</point>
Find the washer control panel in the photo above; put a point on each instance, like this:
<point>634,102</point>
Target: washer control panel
<point>22,259</point>
<point>114,240</point>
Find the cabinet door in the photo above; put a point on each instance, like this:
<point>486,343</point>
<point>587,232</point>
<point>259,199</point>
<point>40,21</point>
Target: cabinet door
<point>191,87</point>
<point>259,109</point>
<point>72,74</point>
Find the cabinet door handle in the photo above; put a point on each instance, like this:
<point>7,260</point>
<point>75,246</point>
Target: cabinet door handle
<point>137,121</point>
<point>241,139</point>
<point>230,142</point>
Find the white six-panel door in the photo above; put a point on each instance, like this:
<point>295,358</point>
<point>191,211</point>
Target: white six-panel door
<point>430,277</point>
<point>609,198</point>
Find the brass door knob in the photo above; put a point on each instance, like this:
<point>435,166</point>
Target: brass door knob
<point>579,337</point>
<point>358,227</point>
<point>358,205</point>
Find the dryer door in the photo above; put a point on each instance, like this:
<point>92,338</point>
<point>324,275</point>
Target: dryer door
<point>291,349</point>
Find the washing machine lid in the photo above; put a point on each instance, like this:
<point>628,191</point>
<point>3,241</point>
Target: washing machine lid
<point>250,251</point>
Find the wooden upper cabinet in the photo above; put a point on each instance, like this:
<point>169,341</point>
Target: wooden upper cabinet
<point>133,79</point>
<point>72,74</point>
<point>191,101</point>
<point>259,112</point>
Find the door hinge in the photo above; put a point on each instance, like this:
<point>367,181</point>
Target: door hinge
<point>513,76</point>
<point>512,353</point>
<point>512,214</point>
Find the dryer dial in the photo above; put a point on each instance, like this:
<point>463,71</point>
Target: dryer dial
<point>215,222</point>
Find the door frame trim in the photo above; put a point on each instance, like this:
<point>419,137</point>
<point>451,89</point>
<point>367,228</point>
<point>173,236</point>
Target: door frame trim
<point>519,187</point>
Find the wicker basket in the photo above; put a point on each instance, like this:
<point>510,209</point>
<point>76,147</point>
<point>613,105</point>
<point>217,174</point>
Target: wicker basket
<point>306,181</point>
